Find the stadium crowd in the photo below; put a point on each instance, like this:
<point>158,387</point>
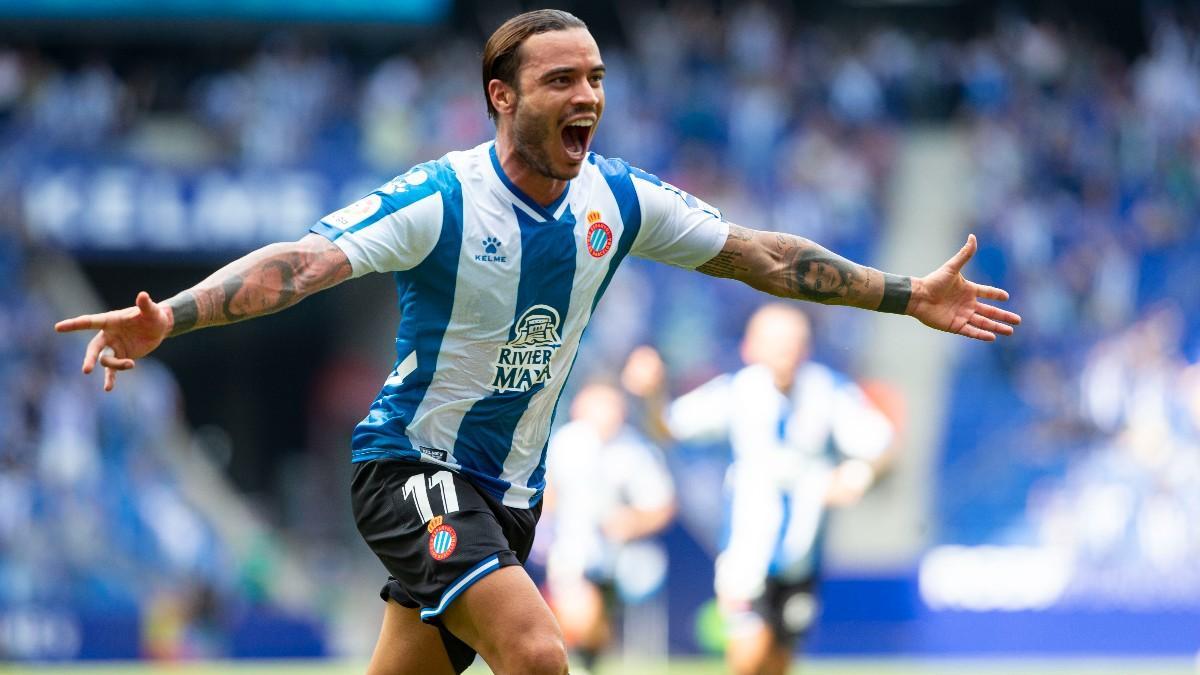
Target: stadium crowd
<point>1085,196</point>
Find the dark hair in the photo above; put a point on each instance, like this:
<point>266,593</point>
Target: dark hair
<point>502,53</point>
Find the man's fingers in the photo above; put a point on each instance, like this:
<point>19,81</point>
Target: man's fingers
<point>990,292</point>
<point>109,360</point>
<point>92,353</point>
<point>79,323</point>
<point>998,314</point>
<point>984,323</point>
<point>977,333</point>
<point>964,254</point>
<point>110,379</point>
<point>144,302</point>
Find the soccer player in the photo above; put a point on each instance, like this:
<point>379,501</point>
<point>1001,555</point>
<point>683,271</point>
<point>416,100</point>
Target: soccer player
<point>607,488</point>
<point>804,438</point>
<point>500,254</point>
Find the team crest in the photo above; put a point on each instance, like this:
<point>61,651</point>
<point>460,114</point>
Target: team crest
<point>442,539</point>
<point>599,236</point>
<point>525,360</point>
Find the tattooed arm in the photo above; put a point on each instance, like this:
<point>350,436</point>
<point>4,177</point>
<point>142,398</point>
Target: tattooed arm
<point>261,282</point>
<point>788,266</point>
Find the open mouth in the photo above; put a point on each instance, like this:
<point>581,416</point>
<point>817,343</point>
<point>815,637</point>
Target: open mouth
<point>575,136</point>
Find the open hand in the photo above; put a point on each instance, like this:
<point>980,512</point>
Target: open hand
<point>124,335</point>
<point>944,299</point>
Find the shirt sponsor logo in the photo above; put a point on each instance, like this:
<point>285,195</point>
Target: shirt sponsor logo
<point>355,213</point>
<point>599,236</point>
<point>491,246</point>
<point>524,361</point>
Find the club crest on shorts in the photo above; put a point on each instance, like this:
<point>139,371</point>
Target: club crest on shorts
<point>599,236</point>
<point>442,539</point>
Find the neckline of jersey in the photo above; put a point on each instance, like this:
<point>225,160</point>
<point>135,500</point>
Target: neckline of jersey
<point>546,212</point>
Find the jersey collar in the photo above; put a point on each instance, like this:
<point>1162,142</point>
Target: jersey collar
<point>549,213</point>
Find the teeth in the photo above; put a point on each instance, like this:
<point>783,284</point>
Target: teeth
<point>581,123</point>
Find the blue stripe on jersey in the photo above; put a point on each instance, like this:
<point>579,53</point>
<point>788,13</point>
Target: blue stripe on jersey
<point>777,558</point>
<point>546,212</point>
<point>548,253</point>
<point>426,298</point>
<point>616,174</point>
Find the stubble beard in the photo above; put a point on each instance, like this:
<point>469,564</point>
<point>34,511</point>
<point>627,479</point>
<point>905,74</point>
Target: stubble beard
<point>530,136</point>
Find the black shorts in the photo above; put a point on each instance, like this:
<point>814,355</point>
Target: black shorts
<point>436,534</point>
<point>789,608</point>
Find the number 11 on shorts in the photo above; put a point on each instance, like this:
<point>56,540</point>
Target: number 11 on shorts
<point>415,487</point>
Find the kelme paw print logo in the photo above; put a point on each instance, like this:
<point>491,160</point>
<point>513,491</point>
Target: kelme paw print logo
<point>491,246</point>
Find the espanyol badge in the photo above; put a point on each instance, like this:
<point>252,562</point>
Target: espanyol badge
<point>442,539</point>
<point>599,236</point>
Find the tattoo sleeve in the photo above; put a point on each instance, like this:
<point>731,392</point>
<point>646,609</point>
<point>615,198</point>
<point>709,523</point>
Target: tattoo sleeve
<point>263,282</point>
<point>788,266</point>
<point>728,264</point>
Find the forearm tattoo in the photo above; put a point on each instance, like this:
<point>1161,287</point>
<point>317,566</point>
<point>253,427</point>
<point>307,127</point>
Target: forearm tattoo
<point>812,272</point>
<point>263,282</point>
<point>794,267</point>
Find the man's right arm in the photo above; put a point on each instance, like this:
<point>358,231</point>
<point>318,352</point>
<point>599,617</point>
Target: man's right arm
<point>262,282</point>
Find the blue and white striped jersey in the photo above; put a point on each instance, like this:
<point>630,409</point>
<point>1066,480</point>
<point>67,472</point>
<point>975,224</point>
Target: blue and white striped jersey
<point>495,293</point>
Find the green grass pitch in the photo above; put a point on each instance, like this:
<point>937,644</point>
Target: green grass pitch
<point>899,666</point>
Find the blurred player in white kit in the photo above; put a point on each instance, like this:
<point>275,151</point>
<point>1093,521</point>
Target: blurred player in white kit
<point>609,488</point>
<point>804,439</point>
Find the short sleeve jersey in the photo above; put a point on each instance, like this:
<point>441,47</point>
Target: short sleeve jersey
<point>495,291</point>
<point>824,414</point>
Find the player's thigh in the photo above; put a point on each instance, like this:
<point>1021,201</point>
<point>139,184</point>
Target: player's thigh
<point>407,646</point>
<point>505,619</point>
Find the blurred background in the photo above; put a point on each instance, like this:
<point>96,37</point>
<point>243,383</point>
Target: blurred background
<point>1045,500</point>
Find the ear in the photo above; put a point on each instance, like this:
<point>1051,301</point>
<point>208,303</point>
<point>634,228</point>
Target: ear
<point>504,97</point>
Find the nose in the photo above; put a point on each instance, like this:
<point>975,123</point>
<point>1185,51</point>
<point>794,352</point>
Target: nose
<point>585,94</point>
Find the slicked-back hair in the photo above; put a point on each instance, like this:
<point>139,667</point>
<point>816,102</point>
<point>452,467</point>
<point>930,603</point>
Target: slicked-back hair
<point>502,53</point>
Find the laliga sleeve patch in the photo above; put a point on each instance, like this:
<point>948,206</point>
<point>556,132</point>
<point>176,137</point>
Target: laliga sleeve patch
<point>355,213</point>
<point>442,539</point>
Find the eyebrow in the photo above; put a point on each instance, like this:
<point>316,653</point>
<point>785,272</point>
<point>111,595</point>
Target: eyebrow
<point>567,70</point>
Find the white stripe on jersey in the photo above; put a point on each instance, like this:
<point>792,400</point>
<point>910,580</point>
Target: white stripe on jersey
<point>482,313</point>
<point>534,428</point>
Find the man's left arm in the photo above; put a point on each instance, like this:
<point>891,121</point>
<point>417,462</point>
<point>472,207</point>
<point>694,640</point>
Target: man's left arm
<point>789,266</point>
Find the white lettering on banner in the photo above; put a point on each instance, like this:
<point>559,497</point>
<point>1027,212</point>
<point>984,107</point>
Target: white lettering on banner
<point>116,207</point>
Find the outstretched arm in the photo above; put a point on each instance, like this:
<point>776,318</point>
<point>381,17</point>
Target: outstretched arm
<point>261,282</point>
<point>788,266</point>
